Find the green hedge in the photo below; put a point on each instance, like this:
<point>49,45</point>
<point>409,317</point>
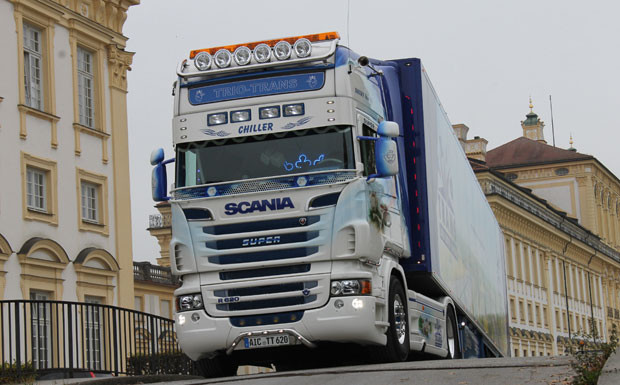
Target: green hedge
<point>9,373</point>
<point>161,363</point>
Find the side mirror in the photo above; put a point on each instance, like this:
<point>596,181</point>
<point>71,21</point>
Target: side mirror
<point>386,157</point>
<point>159,178</point>
<point>386,152</point>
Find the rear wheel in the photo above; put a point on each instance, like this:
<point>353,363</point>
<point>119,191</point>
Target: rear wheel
<point>452,337</point>
<point>218,366</point>
<point>397,348</point>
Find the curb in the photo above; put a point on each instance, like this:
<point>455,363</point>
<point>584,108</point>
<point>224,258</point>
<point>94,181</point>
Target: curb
<point>611,371</point>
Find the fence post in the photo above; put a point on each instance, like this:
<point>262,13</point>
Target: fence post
<point>18,347</point>
<point>70,336</point>
<point>153,334</point>
<point>114,314</point>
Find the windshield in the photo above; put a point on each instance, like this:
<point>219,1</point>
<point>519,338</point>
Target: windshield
<point>283,153</point>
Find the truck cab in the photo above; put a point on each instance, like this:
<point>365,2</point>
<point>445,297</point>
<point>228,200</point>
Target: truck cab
<point>290,219</point>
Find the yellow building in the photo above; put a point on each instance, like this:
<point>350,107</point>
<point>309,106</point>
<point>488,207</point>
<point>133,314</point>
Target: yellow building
<point>65,227</point>
<point>558,211</point>
<point>64,222</point>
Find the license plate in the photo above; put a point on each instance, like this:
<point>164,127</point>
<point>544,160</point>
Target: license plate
<point>266,341</point>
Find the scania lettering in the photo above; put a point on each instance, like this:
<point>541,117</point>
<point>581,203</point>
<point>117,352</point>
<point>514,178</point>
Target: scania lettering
<point>322,197</point>
<point>262,205</point>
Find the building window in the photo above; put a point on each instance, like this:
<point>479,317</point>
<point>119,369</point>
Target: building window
<point>137,303</point>
<point>86,81</point>
<point>92,202</point>
<point>561,171</point>
<point>36,196</point>
<point>165,308</point>
<point>33,59</point>
<point>39,189</point>
<point>93,331</point>
<point>41,329</point>
<point>90,205</point>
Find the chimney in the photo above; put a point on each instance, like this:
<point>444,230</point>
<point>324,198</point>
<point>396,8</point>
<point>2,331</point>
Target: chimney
<point>475,148</point>
<point>461,131</point>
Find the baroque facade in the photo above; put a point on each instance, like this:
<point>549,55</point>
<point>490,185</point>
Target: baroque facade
<point>65,228</point>
<point>558,210</point>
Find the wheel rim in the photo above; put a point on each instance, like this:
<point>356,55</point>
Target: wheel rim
<point>400,319</point>
<point>451,339</point>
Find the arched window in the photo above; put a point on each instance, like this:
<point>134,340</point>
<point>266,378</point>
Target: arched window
<point>42,262</point>
<point>97,274</point>
<point>5,253</point>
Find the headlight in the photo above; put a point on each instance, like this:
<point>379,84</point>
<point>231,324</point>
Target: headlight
<point>216,119</point>
<point>351,287</point>
<point>262,53</point>
<point>223,58</point>
<point>282,50</point>
<point>202,61</point>
<point>189,302</point>
<point>303,47</point>
<point>240,116</point>
<point>269,112</point>
<point>293,109</point>
<point>242,55</point>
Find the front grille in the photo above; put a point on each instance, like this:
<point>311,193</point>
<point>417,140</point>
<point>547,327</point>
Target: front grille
<point>292,247</point>
<point>273,224</point>
<point>249,242</point>
<point>266,296</point>
<point>263,185</point>
<point>262,256</point>
<point>267,289</point>
<point>264,272</point>
<point>266,303</point>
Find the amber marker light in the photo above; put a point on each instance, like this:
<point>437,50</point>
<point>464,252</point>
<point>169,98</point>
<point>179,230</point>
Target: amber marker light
<point>366,287</point>
<point>271,43</point>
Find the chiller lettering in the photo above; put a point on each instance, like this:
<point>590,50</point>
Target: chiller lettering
<point>256,128</point>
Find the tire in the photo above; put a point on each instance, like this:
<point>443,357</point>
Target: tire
<point>452,337</point>
<point>397,348</point>
<point>218,366</point>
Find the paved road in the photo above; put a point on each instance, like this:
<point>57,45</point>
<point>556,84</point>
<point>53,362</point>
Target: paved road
<point>508,371</point>
<point>492,371</point>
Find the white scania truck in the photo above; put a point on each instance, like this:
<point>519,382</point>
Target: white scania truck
<point>322,197</point>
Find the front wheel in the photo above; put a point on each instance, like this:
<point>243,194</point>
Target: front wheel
<point>397,348</point>
<point>452,337</point>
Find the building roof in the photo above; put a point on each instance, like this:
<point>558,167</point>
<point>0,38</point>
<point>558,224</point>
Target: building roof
<point>524,152</point>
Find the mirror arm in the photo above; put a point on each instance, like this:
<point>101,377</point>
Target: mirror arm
<point>372,138</point>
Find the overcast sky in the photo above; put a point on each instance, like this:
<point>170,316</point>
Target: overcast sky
<point>484,57</point>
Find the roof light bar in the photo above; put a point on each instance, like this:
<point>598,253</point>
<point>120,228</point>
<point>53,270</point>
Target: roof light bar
<point>270,43</point>
<point>260,54</point>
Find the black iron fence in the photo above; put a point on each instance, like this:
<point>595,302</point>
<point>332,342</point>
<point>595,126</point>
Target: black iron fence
<point>73,336</point>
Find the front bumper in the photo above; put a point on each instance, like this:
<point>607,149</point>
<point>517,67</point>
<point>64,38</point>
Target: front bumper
<point>208,336</point>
